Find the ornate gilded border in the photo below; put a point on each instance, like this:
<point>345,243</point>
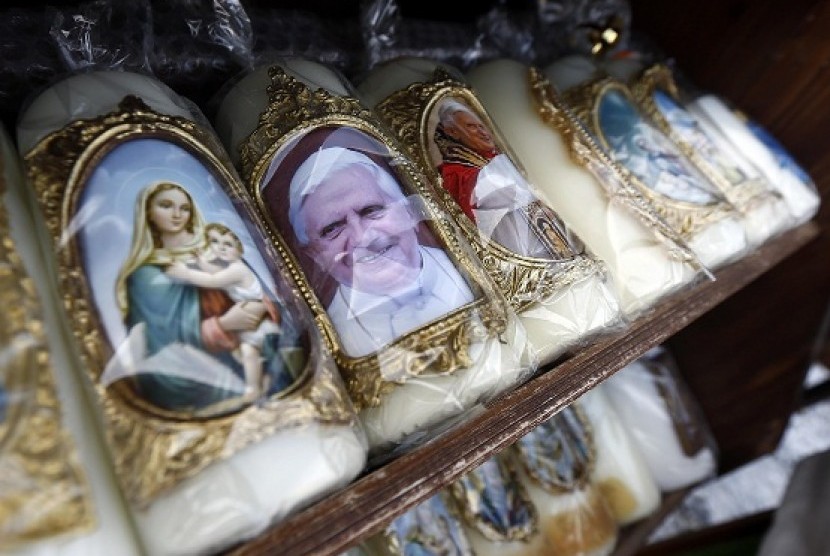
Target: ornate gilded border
<point>149,451</point>
<point>524,280</point>
<point>687,218</point>
<point>440,347</point>
<point>37,455</point>
<point>659,77</point>
<point>585,152</point>
<point>465,500</point>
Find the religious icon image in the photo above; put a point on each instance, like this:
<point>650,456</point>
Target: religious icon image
<point>360,238</point>
<point>182,291</point>
<point>690,131</point>
<point>489,188</point>
<point>429,529</point>
<point>648,154</point>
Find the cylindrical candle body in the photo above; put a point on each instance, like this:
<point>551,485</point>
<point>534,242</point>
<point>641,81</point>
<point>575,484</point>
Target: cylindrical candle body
<point>63,498</point>
<point>558,290</point>
<point>397,297</point>
<point>639,262</point>
<point>185,317</point>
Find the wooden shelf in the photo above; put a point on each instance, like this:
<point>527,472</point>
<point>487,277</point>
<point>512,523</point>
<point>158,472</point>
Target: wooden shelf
<point>345,518</point>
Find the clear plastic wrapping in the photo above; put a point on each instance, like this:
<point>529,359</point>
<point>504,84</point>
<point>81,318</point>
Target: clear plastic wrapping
<point>559,290</point>
<point>695,207</point>
<point>222,410</point>
<point>661,415</point>
<point>773,161</point>
<point>57,495</point>
<point>419,331</point>
<point>644,256</point>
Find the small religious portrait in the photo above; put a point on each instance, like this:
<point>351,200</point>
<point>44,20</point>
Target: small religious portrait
<point>498,503</point>
<point>430,529</point>
<point>689,130</point>
<point>648,154</point>
<point>183,294</point>
<point>360,237</point>
<point>488,187</point>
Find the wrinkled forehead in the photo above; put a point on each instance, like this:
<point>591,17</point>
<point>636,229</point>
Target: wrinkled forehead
<point>369,182</point>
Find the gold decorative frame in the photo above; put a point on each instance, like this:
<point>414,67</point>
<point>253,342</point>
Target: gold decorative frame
<point>34,444</point>
<point>437,348</point>
<point>466,499</point>
<point>585,152</point>
<point>687,218</point>
<point>659,77</point>
<point>524,280</point>
<point>155,449</point>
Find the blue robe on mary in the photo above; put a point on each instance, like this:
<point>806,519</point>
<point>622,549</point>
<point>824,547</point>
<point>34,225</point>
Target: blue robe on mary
<point>171,312</point>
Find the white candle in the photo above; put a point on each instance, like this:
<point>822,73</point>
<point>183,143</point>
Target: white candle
<point>241,490</point>
<point>555,321</point>
<point>646,415</point>
<point>715,243</point>
<point>802,199</point>
<point>621,473</point>
<point>418,403</point>
<point>765,213</point>
<point>642,269</point>
<point>108,528</point>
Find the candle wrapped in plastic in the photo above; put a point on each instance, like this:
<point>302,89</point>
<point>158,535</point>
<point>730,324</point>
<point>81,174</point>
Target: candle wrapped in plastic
<point>420,332</point>
<point>645,257</point>
<point>222,409</point>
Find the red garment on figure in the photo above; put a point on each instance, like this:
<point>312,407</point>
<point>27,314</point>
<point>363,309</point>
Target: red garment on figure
<point>460,180</point>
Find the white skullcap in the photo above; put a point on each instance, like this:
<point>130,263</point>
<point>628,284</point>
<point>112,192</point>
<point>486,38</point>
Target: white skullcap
<point>450,107</point>
<point>318,167</point>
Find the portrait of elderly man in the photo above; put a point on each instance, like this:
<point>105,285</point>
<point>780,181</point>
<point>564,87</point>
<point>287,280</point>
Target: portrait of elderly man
<point>490,189</point>
<point>351,217</point>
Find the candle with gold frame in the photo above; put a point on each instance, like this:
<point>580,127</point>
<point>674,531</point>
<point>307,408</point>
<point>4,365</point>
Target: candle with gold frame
<point>765,212</point>
<point>142,216</point>
<point>558,290</point>
<point>419,331</point>
<point>57,492</point>
<point>645,257</point>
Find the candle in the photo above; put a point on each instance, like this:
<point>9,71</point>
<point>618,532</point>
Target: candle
<point>656,167</point>
<point>638,258</point>
<point>418,330</point>
<point>560,292</point>
<point>620,473</point>
<point>801,197</point>
<point>219,417</point>
<point>63,498</point>
<point>656,410</point>
<point>764,211</point>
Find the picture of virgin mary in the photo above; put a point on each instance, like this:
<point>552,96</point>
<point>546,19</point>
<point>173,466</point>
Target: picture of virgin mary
<point>187,328</point>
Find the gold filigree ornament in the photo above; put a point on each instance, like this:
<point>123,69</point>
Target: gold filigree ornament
<point>686,217</point>
<point>615,180</point>
<point>439,347</point>
<point>156,448</point>
<point>470,492</point>
<point>741,190</point>
<point>523,279</point>
<point>43,491</point>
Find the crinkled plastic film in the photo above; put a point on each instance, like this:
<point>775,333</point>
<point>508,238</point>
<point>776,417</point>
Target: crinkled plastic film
<point>560,290</point>
<point>56,493</point>
<point>387,35</point>
<point>419,332</point>
<point>652,164</point>
<point>764,211</point>
<point>661,415</point>
<point>187,325</point>
<point>620,471</point>
<point>645,258</point>
<point>776,165</point>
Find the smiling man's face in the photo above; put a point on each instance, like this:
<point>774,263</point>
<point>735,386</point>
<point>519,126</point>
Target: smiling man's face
<point>360,236</point>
